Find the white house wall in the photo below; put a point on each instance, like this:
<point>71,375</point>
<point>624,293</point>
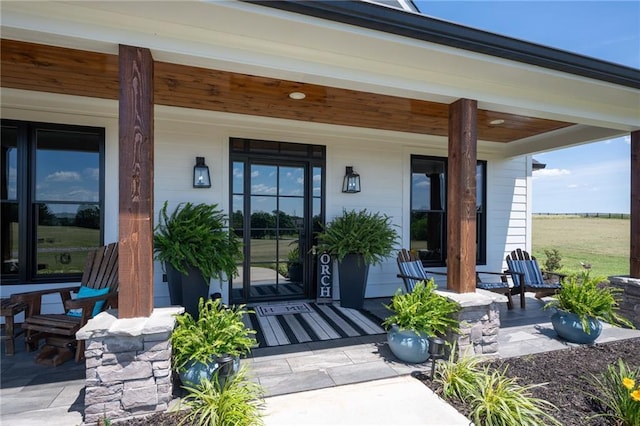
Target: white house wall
<point>381,158</point>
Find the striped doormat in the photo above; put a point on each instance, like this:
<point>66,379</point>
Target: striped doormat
<point>323,322</point>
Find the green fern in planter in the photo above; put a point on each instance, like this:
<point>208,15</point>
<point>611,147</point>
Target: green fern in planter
<point>423,311</point>
<point>359,232</point>
<point>197,235</point>
<point>217,331</point>
<point>586,297</point>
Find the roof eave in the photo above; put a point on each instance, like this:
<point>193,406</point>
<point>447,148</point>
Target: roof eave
<point>421,27</point>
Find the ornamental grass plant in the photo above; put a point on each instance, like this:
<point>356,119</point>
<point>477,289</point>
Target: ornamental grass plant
<point>618,394</point>
<point>237,402</point>
<point>494,398</point>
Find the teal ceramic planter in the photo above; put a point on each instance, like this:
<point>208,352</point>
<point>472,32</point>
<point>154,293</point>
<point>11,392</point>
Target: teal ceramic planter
<point>196,371</point>
<point>569,327</point>
<point>407,345</point>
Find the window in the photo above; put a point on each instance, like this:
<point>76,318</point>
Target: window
<point>51,200</point>
<point>428,227</point>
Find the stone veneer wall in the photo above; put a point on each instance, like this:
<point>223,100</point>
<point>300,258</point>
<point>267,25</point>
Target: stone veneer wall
<point>630,297</point>
<point>479,319</point>
<point>128,364</point>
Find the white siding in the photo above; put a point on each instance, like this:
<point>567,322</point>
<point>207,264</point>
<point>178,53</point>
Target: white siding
<point>381,158</point>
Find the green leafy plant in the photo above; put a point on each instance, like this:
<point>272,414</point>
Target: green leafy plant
<point>618,393</point>
<point>423,311</point>
<point>500,400</point>
<point>552,263</point>
<point>237,402</point>
<point>197,235</point>
<point>458,379</point>
<point>359,232</point>
<point>585,297</point>
<point>217,331</point>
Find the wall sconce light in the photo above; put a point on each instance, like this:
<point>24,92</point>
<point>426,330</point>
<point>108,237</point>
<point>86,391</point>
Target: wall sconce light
<point>351,182</point>
<point>201,178</point>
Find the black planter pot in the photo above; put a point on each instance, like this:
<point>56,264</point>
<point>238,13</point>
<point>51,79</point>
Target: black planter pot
<point>353,281</point>
<point>194,286</point>
<point>174,280</point>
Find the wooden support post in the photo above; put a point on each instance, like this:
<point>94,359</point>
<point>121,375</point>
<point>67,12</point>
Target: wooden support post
<point>135,257</point>
<point>634,260</point>
<point>461,196</point>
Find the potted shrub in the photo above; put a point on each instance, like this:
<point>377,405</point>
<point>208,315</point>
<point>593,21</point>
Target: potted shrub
<point>357,239</point>
<point>415,317</point>
<point>214,342</point>
<point>581,304</point>
<point>294,269</point>
<point>195,245</point>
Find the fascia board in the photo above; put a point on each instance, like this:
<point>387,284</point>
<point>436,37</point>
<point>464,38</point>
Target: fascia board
<point>562,138</point>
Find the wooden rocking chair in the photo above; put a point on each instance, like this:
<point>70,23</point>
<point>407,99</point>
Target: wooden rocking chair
<point>527,276</point>
<point>412,271</point>
<point>97,293</point>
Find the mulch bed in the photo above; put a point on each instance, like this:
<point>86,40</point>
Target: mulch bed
<point>567,372</point>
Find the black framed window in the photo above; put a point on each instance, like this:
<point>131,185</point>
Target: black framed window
<point>428,223</point>
<point>51,197</point>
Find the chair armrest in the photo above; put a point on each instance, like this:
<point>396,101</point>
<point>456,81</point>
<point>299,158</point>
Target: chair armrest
<point>557,274</point>
<point>493,273</point>
<point>87,305</point>
<point>34,298</point>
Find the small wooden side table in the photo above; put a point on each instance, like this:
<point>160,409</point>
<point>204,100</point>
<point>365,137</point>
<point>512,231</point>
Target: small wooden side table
<point>8,310</point>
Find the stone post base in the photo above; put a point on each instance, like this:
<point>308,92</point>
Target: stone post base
<point>630,298</point>
<point>128,364</point>
<point>479,319</point>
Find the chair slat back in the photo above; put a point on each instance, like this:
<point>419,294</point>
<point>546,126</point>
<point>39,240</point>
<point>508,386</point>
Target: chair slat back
<point>101,269</point>
<point>530,269</point>
<point>411,269</point>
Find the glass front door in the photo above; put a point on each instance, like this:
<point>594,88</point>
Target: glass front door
<point>274,203</point>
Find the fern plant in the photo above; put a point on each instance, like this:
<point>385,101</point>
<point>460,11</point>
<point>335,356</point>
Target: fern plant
<point>197,235</point>
<point>217,331</point>
<point>359,232</point>
<point>423,311</point>
<point>585,297</point>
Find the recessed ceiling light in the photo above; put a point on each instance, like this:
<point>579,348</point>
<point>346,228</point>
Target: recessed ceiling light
<point>297,95</point>
<point>496,122</point>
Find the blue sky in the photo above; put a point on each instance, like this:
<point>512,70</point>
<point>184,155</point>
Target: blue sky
<point>587,178</point>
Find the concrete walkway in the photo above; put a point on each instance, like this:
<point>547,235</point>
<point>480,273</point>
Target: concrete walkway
<point>347,382</point>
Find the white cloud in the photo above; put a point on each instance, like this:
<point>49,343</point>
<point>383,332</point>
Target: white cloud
<point>573,185</point>
<point>551,172</point>
<point>92,173</point>
<point>63,177</point>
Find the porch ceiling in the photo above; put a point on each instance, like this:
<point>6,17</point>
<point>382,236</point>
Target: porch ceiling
<point>45,68</point>
<point>245,58</point>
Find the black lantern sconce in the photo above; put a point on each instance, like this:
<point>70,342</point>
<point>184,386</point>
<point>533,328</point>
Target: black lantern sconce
<point>201,178</point>
<point>436,352</point>
<point>351,182</point>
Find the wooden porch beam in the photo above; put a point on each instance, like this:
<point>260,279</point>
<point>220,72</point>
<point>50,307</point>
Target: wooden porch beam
<point>634,260</point>
<point>461,196</point>
<point>135,258</point>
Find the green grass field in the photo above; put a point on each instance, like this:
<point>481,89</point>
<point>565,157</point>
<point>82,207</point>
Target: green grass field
<point>604,243</point>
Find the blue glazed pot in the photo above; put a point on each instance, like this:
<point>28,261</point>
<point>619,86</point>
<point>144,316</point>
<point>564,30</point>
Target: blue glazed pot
<point>569,327</point>
<point>407,345</point>
<point>226,367</point>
